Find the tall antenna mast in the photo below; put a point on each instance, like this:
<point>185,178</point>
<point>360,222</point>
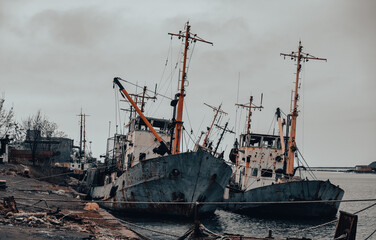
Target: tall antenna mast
<point>80,115</point>
<point>250,106</point>
<point>82,133</point>
<point>299,56</point>
<point>187,37</point>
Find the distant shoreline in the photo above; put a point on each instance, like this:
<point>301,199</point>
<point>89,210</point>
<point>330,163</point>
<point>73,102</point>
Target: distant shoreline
<point>339,169</point>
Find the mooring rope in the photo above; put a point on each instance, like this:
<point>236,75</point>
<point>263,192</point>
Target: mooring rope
<point>314,227</point>
<point>60,174</point>
<point>364,209</point>
<point>202,203</point>
<point>27,179</point>
<point>147,229</point>
<point>370,235</point>
<point>208,203</point>
<point>330,222</point>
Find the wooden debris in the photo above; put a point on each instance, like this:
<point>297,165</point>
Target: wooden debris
<point>9,205</point>
<point>31,214</point>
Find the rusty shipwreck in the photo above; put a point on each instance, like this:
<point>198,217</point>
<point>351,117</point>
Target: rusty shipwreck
<point>145,170</point>
<point>265,172</point>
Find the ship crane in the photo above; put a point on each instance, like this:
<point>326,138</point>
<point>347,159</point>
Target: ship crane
<point>296,56</point>
<point>162,149</point>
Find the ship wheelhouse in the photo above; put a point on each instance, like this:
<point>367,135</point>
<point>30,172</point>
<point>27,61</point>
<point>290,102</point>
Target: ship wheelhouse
<point>125,151</point>
<point>259,160</point>
<point>160,125</point>
<point>260,140</point>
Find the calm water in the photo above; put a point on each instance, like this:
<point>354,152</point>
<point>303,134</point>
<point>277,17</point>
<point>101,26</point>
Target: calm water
<point>356,186</point>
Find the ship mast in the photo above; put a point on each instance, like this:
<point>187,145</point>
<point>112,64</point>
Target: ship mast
<point>250,106</point>
<point>136,97</point>
<point>224,130</point>
<point>178,127</point>
<point>217,111</point>
<point>299,56</point>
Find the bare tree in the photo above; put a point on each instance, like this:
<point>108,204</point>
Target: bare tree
<point>37,127</point>
<point>7,123</point>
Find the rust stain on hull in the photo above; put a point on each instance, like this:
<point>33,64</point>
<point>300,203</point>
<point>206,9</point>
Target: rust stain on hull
<point>176,179</point>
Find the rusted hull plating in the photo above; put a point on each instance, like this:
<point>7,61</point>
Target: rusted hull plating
<point>186,177</point>
<point>289,191</point>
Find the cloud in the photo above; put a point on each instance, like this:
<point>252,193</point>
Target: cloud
<point>78,26</point>
<point>59,56</point>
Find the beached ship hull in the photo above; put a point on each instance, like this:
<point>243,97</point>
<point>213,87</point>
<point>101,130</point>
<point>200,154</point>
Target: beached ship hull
<point>305,190</point>
<point>180,180</point>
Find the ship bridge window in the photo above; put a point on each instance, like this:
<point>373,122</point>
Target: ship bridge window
<point>278,173</point>
<point>278,143</point>
<point>269,142</point>
<point>249,140</point>
<point>142,156</point>
<point>158,124</point>
<point>266,172</point>
<point>254,172</point>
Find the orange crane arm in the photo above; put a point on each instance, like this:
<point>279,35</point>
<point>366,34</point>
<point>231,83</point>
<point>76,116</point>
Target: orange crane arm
<point>162,149</point>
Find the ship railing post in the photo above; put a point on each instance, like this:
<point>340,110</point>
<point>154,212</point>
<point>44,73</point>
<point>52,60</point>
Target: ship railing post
<point>197,231</point>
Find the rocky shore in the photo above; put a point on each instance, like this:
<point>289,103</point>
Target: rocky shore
<point>35,209</point>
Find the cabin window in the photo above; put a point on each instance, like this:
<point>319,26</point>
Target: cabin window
<point>278,173</point>
<point>269,142</point>
<point>279,143</point>
<point>129,162</point>
<point>254,172</point>
<point>142,156</point>
<point>266,172</point>
<point>254,141</point>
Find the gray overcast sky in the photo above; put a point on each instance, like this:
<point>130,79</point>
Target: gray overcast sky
<point>59,56</point>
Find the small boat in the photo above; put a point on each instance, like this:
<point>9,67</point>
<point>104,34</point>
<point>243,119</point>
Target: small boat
<point>146,171</point>
<point>265,172</point>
